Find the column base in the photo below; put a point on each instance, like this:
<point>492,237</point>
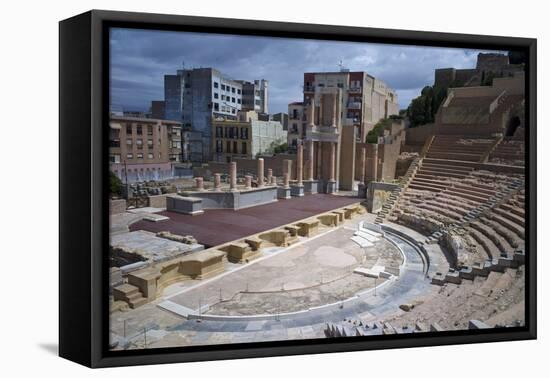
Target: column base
<point>331,187</point>
<point>283,193</point>
<point>362,190</point>
<point>297,190</point>
<point>311,186</point>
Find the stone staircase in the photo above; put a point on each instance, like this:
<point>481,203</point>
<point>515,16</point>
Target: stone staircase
<point>393,199</point>
<point>129,294</point>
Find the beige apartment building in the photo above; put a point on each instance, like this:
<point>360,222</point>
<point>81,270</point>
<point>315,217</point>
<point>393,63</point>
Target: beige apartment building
<point>143,148</point>
<point>365,100</point>
<point>245,137</point>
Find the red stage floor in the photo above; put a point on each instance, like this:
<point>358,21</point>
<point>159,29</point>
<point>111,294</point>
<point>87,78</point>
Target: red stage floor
<point>216,227</point>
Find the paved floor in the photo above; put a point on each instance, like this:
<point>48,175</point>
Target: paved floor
<point>169,330</point>
<point>216,227</point>
<point>315,273</point>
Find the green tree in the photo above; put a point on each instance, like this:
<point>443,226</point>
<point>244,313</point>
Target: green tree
<point>115,185</point>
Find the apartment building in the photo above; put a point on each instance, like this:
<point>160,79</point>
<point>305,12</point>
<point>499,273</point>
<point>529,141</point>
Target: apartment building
<point>194,97</point>
<point>245,136</point>
<point>365,99</point>
<point>143,148</point>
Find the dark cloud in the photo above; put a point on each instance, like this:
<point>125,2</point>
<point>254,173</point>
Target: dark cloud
<point>141,58</point>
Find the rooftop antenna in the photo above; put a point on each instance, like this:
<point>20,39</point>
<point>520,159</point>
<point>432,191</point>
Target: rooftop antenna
<point>183,64</point>
<point>342,68</point>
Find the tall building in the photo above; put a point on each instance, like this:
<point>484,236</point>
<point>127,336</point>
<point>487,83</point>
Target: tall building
<point>143,148</point>
<point>158,110</point>
<point>255,96</point>
<point>195,96</point>
<point>365,99</point>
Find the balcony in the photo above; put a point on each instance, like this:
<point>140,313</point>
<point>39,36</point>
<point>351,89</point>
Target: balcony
<point>355,90</point>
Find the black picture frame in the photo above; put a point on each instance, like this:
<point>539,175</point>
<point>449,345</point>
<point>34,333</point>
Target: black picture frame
<point>83,165</point>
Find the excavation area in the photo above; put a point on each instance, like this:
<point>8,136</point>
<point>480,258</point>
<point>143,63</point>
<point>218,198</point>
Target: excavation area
<point>321,271</point>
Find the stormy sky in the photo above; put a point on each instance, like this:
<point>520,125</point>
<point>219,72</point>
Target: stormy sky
<point>141,58</point>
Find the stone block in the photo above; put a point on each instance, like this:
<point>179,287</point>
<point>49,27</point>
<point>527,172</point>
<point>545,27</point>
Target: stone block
<point>477,324</point>
<point>117,206</point>
<point>184,205</point>
<point>297,190</point>
<point>311,187</point>
<point>283,193</point>
<point>308,228</point>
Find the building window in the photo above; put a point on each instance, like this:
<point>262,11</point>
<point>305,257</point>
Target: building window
<point>115,158</point>
<point>115,143</point>
<point>150,156</point>
<point>128,129</point>
<point>232,99</point>
<point>235,148</point>
<point>138,130</point>
<point>216,84</point>
<point>129,143</point>
<point>223,87</point>
<point>140,156</point>
<point>238,101</point>
<point>233,111</point>
<point>238,91</point>
<point>150,143</point>
<point>139,143</point>
<point>216,107</point>
<point>228,147</point>
<point>243,148</point>
<point>218,132</point>
<point>129,156</point>
<point>149,130</point>
<point>233,89</point>
<point>216,95</point>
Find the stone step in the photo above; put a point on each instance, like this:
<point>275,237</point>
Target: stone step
<point>138,302</point>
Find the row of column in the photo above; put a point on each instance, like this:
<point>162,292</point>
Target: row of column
<point>365,162</point>
<point>271,180</point>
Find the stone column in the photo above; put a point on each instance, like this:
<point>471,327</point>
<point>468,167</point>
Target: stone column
<point>310,113</point>
<point>217,182</point>
<point>269,176</point>
<point>371,173</point>
<point>332,161</point>
<point>273,180</point>
<point>260,172</point>
<point>362,165</point>
<point>286,181</point>
<point>248,181</point>
<point>287,167</point>
<point>334,110</point>
<point>199,183</point>
<point>310,162</point>
<point>300,164</point>
<point>233,176</point>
